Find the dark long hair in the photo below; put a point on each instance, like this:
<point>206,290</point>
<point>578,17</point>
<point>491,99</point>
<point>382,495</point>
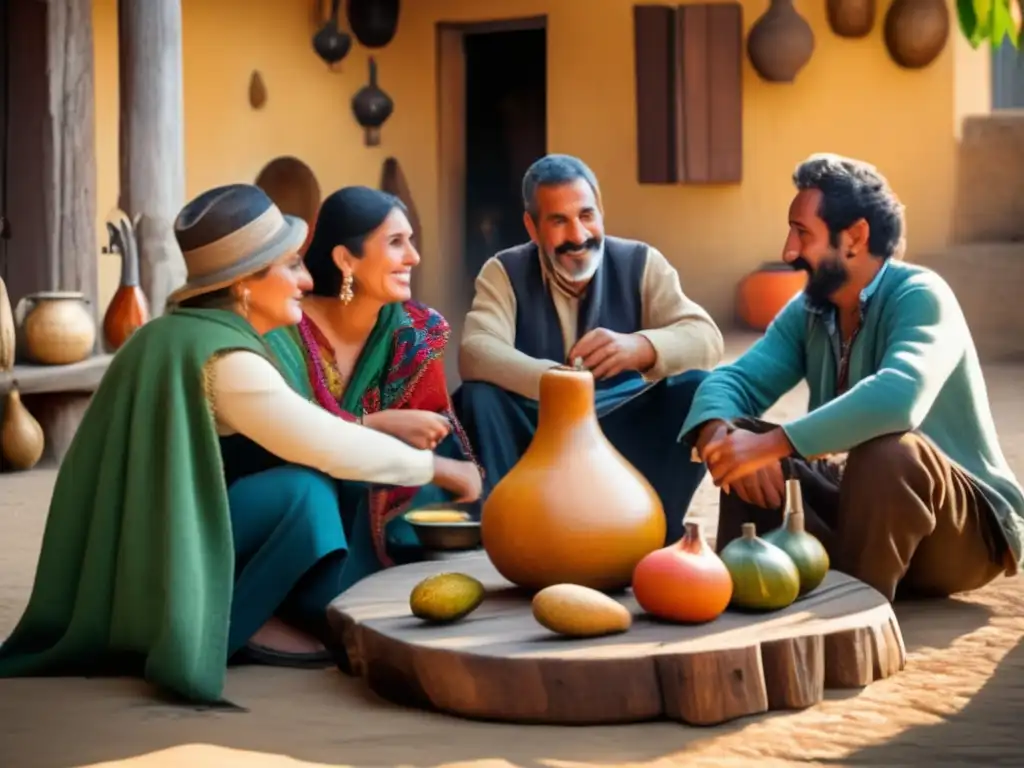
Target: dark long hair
<point>347,217</point>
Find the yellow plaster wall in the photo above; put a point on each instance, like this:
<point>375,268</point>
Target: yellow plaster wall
<point>850,99</point>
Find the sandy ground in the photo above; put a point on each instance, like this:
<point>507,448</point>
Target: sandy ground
<point>957,703</point>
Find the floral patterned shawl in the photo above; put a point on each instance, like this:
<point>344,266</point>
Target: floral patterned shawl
<point>402,366</point>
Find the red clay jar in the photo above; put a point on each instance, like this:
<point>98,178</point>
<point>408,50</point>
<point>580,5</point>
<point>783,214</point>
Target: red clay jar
<point>762,294</point>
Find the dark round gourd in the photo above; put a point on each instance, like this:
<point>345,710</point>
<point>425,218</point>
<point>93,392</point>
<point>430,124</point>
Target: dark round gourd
<point>371,105</point>
<point>331,43</point>
<point>373,22</point>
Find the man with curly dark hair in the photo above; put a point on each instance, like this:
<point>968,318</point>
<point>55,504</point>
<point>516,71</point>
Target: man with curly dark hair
<point>902,475</point>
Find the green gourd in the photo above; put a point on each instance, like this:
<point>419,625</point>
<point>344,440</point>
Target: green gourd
<point>804,549</point>
<point>764,578</point>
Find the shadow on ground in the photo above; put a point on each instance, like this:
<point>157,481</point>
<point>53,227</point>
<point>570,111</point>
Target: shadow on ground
<point>987,731</point>
<point>328,718</point>
<point>938,623</point>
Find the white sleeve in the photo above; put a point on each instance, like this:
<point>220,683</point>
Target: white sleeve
<point>251,397</point>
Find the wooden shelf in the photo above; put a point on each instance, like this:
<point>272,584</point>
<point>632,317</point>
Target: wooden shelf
<point>39,379</point>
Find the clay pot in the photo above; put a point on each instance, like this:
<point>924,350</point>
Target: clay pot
<point>57,326</point>
<point>572,510</point>
<point>8,339</point>
<point>916,31</point>
<point>851,18</point>
<point>761,295</point>
<point>21,437</point>
<point>780,43</point>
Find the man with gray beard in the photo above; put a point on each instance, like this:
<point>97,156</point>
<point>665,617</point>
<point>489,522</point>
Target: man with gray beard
<point>573,293</point>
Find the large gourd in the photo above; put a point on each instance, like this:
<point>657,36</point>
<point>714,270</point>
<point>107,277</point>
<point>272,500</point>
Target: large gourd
<point>806,552</point>
<point>684,582</point>
<point>572,510</point>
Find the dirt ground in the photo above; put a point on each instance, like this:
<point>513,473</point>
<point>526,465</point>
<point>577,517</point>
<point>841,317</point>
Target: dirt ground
<point>958,702</point>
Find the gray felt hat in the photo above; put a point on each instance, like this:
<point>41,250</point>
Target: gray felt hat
<point>229,233</point>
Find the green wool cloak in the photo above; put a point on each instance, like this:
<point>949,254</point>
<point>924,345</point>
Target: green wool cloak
<point>137,565</point>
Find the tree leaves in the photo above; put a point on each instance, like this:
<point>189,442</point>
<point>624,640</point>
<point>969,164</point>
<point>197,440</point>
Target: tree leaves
<point>991,20</point>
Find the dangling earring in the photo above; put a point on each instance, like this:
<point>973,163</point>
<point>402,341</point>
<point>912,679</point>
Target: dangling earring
<point>346,294</point>
<point>246,298</point>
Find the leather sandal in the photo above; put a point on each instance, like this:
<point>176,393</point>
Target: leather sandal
<point>260,654</point>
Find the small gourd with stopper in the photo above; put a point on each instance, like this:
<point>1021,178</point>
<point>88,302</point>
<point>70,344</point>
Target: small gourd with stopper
<point>683,582</point>
<point>804,549</point>
<point>764,578</point>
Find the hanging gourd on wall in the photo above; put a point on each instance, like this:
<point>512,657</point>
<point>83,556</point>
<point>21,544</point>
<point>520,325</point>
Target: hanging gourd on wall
<point>257,90</point>
<point>372,107</point>
<point>851,18</point>
<point>780,43</point>
<point>330,42</point>
<point>373,22</point>
<point>916,31</point>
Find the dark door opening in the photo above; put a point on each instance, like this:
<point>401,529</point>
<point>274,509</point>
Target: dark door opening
<point>506,130</point>
<point>24,131</point>
<point>5,53</point>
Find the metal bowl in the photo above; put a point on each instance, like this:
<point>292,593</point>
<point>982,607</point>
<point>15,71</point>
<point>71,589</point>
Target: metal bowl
<point>447,536</point>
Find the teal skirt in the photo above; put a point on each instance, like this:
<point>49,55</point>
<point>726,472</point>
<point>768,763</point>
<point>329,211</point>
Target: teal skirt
<point>302,538</point>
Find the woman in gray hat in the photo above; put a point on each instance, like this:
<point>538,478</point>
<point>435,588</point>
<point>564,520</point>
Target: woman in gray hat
<point>150,565</point>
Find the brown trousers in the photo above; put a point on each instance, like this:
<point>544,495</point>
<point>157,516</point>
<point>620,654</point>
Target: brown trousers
<point>893,512</point>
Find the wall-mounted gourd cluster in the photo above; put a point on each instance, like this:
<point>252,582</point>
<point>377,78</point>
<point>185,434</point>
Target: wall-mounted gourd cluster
<point>781,42</point>
<point>689,73</point>
<point>373,22</point>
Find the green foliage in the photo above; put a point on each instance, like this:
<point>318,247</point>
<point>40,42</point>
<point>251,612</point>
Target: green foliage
<point>991,20</point>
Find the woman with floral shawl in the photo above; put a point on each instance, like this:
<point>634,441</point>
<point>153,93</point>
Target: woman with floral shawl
<point>365,352</point>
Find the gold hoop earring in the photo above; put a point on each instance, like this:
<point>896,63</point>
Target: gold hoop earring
<point>246,298</point>
<point>347,293</point>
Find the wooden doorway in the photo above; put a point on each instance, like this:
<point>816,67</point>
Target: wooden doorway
<point>492,123</point>
<point>24,130</point>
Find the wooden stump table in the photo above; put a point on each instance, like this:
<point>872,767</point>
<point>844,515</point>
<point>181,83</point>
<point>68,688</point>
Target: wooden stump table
<point>500,664</point>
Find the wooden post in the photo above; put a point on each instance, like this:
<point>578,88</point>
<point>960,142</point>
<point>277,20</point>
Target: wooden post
<point>70,151</point>
<point>152,138</point>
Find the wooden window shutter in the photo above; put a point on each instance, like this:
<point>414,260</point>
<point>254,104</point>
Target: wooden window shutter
<point>689,86</point>
<point>655,39</point>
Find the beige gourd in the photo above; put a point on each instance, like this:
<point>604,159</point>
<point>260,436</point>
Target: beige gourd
<point>7,330</point>
<point>21,437</point>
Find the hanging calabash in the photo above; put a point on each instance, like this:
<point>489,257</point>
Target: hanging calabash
<point>572,510</point>
<point>684,582</point>
<point>764,578</point>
